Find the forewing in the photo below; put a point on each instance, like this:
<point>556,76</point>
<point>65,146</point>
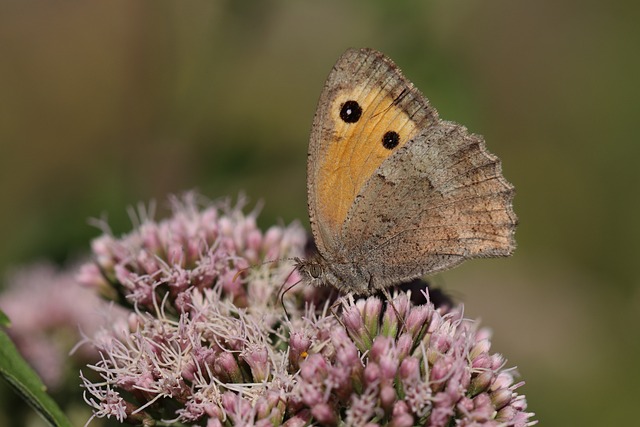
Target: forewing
<point>343,154</point>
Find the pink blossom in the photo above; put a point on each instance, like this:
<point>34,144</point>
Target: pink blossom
<point>208,341</point>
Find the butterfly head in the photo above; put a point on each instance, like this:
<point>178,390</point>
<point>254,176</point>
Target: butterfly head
<point>345,277</point>
<point>312,270</point>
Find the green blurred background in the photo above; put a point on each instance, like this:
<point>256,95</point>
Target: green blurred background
<point>105,104</point>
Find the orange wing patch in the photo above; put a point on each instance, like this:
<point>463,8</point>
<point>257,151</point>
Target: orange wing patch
<point>358,148</point>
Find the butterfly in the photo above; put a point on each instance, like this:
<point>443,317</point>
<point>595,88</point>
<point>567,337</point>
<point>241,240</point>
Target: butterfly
<point>395,193</point>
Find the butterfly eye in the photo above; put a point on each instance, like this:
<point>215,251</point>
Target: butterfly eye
<point>350,111</point>
<point>390,140</point>
<point>315,271</point>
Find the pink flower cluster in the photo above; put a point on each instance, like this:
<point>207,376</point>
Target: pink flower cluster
<point>208,341</point>
<point>49,311</point>
<point>197,248</point>
<point>405,365</point>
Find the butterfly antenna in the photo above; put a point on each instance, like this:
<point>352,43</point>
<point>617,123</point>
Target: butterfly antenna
<point>242,270</point>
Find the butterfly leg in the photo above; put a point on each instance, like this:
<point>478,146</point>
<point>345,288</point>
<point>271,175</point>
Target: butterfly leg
<point>389,298</point>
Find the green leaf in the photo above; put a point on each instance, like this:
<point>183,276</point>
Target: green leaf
<point>4,320</point>
<point>27,383</point>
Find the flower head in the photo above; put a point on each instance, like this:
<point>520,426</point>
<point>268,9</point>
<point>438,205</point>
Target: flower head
<point>208,339</point>
<point>49,311</point>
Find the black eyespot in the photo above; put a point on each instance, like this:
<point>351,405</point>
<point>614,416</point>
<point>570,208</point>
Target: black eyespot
<point>350,111</point>
<point>390,140</point>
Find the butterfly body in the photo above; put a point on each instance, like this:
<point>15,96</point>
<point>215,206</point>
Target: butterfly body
<point>394,192</point>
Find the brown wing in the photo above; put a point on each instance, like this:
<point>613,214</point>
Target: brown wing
<point>437,201</point>
<point>346,145</point>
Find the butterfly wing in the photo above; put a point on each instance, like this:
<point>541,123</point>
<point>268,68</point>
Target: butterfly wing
<point>437,201</point>
<point>364,97</point>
